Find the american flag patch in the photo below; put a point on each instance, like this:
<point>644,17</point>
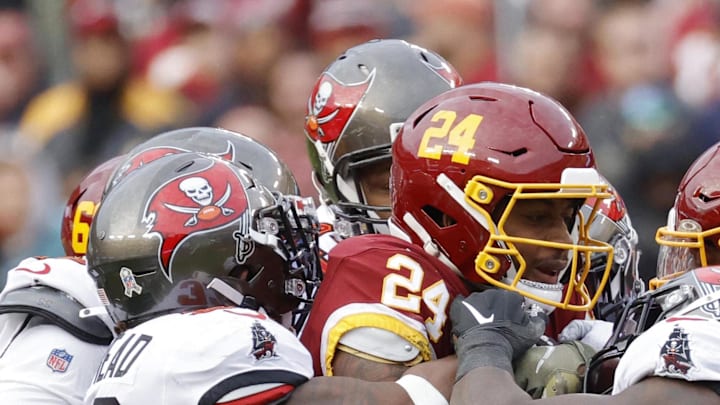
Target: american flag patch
<point>59,360</point>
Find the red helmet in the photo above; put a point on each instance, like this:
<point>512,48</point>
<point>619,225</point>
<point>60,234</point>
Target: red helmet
<point>470,154</point>
<point>693,222</point>
<point>82,205</point>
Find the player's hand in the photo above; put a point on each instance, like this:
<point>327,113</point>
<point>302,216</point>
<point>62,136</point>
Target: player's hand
<point>500,311</point>
<point>492,328</point>
<point>594,333</point>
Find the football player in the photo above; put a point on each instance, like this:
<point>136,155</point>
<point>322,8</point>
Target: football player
<point>48,350</point>
<point>667,339</point>
<point>563,365</point>
<point>662,350</point>
<point>355,108</point>
<point>488,181</point>
<point>691,237</point>
<point>201,268</point>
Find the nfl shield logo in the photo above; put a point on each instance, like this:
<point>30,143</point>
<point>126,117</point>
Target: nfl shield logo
<point>59,360</point>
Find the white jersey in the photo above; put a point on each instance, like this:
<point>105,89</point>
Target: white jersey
<point>202,358</point>
<point>41,363</point>
<point>681,347</point>
<point>329,237</point>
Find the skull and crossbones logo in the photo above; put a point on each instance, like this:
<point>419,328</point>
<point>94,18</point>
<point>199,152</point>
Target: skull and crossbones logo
<point>320,101</point>
<point>201,192</point>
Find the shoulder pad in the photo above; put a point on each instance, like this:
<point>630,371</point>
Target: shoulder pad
<point>58,308</point>
<point>380,343</point>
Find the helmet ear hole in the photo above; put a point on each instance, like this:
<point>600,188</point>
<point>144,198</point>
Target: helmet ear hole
<point>441,219</point>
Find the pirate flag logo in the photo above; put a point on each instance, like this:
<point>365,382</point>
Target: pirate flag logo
<point>263,342</point>
<point>331,105</point>
<point>676,352</point>
<point>196,203</point>
<point>148,155</point>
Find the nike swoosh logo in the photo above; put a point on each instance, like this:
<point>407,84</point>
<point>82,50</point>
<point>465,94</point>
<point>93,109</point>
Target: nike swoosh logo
<point>480,318</point>
<point>45,269</point>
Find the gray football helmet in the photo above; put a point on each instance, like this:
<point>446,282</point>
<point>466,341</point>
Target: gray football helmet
<point>255,157</point>
<point>190,231</point>
<point>355,107</point>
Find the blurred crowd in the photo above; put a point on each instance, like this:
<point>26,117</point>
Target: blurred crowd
<point>85,80</point>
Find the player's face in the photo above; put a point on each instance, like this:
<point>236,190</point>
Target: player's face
<point>375,182</point>
<point>712,254</point>
<point>547,220</point>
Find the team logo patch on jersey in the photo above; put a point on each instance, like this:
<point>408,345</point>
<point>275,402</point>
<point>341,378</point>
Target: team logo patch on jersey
<point>331,105</point>
<point>676,353</point>
<point>197,203</point>
<point>59,360</point>
<point>263,342</point>
<point>151,154</point>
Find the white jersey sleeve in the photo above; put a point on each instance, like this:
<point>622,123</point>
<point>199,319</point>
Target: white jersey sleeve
<point>202,358</point>
<point>46,365</point>
<point>682,347</point>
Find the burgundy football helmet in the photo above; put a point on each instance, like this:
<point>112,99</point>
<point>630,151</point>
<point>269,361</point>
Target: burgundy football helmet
<point>612,225</point>
<point>354,109</point>
<point>82,205</point>
<point>189,231</point>
<point>691,237</point>
<point>468,155</point>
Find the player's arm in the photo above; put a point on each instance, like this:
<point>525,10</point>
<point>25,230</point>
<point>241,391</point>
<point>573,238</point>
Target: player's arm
<point>492,328</point>
<point>346,364</point>
<point>339,390</point>
<point>490,385</point>
<point>348,390</point>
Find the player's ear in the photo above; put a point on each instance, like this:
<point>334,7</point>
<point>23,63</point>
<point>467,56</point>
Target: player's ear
<point>447,220</point>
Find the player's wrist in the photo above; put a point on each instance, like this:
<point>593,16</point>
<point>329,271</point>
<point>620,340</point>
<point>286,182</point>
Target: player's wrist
<point>421,391</point>
<point>482,347</point>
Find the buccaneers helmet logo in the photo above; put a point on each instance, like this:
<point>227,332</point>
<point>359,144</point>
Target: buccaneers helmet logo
<point>331,105</point>
<point>150,154</point>
<point>196,203</point>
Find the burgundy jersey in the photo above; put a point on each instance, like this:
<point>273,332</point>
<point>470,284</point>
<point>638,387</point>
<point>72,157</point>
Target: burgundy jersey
<point>382,282</point>
<point>560,318</point>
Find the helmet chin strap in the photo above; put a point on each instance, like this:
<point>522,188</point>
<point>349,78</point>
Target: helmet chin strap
<point>235,296</point>
<point>244,301</point>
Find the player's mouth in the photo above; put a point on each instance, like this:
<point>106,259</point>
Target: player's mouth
<point>547,272</point>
